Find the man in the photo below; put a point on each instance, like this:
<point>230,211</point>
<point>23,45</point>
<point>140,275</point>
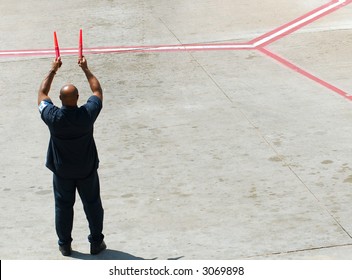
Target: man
<point>72,156</point>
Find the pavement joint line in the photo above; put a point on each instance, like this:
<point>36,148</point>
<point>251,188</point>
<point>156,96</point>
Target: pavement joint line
<point>291,169</point>
<point>288,165</point>
<point>199,64</point>
<point>303,250</point>
<point>213,80</point>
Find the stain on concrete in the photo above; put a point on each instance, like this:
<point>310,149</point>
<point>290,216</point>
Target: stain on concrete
<point>128,195</point>
<point>276,158</point>
<point>44,192</point>
<point>277,143</point>
<point>348,179</point>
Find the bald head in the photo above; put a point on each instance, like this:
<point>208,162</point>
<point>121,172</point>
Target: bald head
<point>69,95</point>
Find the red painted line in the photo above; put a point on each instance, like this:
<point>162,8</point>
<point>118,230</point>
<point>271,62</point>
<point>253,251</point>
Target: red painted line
<point>129,49</point>
<point>298,23</point>
<point>173,48</point>
<point>303,72</point>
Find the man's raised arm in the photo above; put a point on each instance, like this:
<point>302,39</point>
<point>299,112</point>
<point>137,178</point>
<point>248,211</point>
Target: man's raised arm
<point>43,92</point>
<point>92,80</point>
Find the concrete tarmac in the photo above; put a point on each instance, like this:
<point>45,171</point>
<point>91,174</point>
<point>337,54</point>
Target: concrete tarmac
<point>227,154</point>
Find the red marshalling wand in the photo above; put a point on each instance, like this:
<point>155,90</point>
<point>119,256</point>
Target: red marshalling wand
<point>56,44</point>
<point>80,45</point>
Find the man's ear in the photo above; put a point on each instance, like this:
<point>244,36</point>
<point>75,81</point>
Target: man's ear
<point>60,97</point>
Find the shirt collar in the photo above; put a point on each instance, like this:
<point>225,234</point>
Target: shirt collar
<point>69,107</point>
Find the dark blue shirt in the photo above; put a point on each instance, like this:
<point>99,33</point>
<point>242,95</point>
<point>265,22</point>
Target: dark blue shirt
<point>72,153</point>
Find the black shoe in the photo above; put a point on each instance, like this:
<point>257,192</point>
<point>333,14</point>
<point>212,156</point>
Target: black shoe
<point>97,248</point>
<point>65,250</point>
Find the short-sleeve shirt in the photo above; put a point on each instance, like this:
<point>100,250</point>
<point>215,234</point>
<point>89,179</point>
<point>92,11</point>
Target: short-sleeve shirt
<point>72,153</point>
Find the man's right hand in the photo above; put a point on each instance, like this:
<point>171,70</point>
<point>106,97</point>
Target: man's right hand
<point>82,62</point>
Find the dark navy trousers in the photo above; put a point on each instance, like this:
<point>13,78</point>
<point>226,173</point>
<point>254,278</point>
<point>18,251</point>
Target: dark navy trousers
<point>65,196</point>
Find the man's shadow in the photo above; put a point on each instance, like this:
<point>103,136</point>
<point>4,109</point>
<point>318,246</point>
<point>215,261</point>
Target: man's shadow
<point>110,254</point>
<point>107,254</point>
